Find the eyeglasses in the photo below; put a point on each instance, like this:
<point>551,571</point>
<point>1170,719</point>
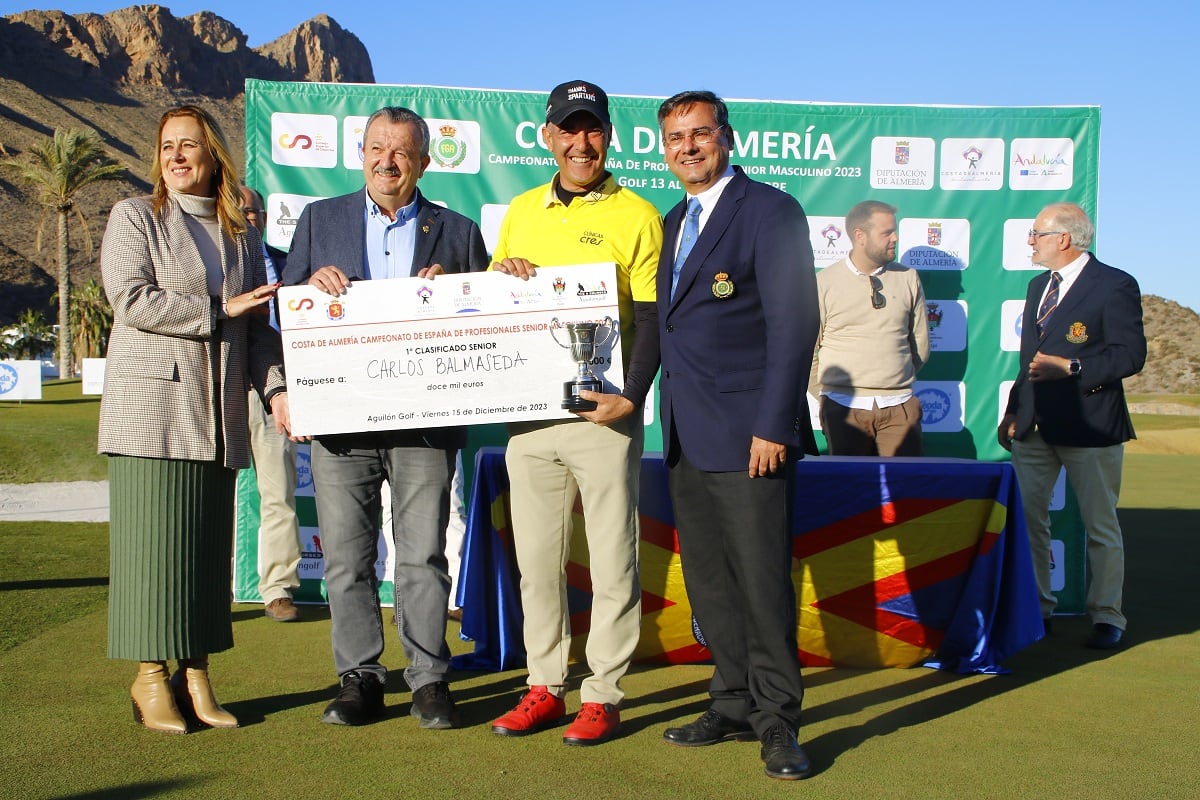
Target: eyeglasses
<point>878,301</point>
<point>701,136</point>
<point>254,211</point>
<point>1039,234</point>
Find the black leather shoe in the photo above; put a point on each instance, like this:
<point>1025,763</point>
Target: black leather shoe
<point>359,701</point>
<point>1104,637</point>
<point>433,706</point>
<point>783,755</point>
<point>710,728</point>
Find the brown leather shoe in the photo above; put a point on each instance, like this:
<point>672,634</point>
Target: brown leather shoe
<point>282,610</point>
<point>153,702</point>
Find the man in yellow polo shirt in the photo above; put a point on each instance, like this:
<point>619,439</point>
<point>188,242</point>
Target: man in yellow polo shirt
<point>582,216</point>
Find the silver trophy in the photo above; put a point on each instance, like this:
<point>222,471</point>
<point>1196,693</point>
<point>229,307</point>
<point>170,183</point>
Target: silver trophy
<point>583,343</point>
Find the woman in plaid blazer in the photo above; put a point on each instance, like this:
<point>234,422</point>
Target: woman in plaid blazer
<point>185,276</point>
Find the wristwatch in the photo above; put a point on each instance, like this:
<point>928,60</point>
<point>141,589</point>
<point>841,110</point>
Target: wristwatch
<point>1076,367</point>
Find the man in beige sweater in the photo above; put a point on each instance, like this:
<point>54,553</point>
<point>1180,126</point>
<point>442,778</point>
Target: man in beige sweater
<point>874,339</point>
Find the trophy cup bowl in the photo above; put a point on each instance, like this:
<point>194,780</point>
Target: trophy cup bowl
<point>583,339</point>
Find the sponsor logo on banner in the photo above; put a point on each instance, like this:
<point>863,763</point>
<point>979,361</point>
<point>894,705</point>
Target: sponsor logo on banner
<point>591,290</point>
<point>9,378</point>
<point>300,312</point>
<point>942,404</point>
<point>312,544</point>
<point>465,303</point>
<point>1016,253</point>
<point>829,240</point>
<point>947,325</point>
<point>972,164</point>
<point>353,129</point>
<point>424,295</point>
<point>933,234</point>
<point>454,146</point>
<point>902,162</point>
<point>935,244</point>
<point>304,479</point>
<point>1011,314</point>
<point>283,212</point>
<point>304,140</point>
<point>1058,560</point>
<point>527,297</point>
<point>312,554</point>
<point>1041,164</point>
<point>335,309</point>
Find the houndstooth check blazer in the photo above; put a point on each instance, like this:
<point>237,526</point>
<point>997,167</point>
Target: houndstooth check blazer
<point>168,355</point>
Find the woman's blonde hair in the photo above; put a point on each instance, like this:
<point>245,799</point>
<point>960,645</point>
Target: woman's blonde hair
<point>225,178</point>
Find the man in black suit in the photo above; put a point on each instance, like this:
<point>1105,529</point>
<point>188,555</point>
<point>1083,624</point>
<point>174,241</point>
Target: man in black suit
<point>387,231</point>
<point>738,320</point>
<point>1081,334</point>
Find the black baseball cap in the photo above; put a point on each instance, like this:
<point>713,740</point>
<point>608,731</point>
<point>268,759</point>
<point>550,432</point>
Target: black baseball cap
<point>572,96</point>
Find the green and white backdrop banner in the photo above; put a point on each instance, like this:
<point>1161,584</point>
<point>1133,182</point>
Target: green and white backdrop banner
<point>968,182</point>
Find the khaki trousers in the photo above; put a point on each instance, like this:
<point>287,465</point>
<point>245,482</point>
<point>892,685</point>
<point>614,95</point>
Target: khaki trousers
<point>278,531</point>
<point>891,431</point>
<point>548,464</point>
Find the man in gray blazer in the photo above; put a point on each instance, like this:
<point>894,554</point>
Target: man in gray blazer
<point>387,231</point>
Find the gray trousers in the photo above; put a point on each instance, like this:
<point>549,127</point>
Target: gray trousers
<point>348,483</point>
<point>1095,475</point>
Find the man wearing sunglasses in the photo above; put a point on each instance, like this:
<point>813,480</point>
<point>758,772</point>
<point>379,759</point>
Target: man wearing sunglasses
<point>874,339</point>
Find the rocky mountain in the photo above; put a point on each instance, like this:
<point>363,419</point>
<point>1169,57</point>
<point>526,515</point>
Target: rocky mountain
<point>1173,349</point>
<point>116,73</point>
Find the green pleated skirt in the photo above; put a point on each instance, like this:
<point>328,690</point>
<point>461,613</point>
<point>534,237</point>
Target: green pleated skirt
<point>171,544</point>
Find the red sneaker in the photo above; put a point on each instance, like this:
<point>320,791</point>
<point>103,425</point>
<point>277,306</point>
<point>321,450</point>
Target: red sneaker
<point>596,723</point>
<point>537,710</point>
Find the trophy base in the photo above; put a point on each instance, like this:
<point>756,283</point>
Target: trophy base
<point>571,399</point>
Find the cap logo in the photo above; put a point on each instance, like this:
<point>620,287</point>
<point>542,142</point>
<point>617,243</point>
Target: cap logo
<point>581,92</point>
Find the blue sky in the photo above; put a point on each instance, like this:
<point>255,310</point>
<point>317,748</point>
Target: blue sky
<point>1138,61</point>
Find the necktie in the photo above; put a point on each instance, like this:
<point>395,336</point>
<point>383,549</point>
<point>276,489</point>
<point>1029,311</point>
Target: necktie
<point>1049,303</point>
<point>691,231</point>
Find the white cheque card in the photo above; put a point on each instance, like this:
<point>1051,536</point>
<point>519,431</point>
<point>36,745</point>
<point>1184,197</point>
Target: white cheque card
<point>456,350</point>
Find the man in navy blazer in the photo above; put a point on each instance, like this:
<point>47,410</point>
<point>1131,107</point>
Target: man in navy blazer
<point>387,231</point>
<point>1081,334</point>
<point>738,319</point>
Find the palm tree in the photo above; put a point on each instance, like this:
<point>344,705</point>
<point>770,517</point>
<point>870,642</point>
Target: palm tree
<point>91,321</point>
<point>57,169</point>
<point>29,338</point>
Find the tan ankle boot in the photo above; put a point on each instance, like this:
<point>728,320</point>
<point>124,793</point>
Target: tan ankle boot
<point>194,692</point>
<point>153,701</point>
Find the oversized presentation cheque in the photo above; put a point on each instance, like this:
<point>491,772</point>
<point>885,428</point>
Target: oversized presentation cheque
<point>460,349</point>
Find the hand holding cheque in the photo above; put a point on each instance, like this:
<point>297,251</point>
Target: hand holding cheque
<point>462,349</point>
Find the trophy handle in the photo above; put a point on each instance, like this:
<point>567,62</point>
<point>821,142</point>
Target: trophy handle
<point>554,323</point>
<point>609,333</point>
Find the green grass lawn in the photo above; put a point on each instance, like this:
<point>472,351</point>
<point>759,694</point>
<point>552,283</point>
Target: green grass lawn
<point>52,439</point>
<point>1068,723</point>
<point>1178,399</point>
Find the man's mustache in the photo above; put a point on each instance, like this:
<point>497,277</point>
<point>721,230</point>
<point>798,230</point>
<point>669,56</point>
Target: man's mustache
<point>390,172</point>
